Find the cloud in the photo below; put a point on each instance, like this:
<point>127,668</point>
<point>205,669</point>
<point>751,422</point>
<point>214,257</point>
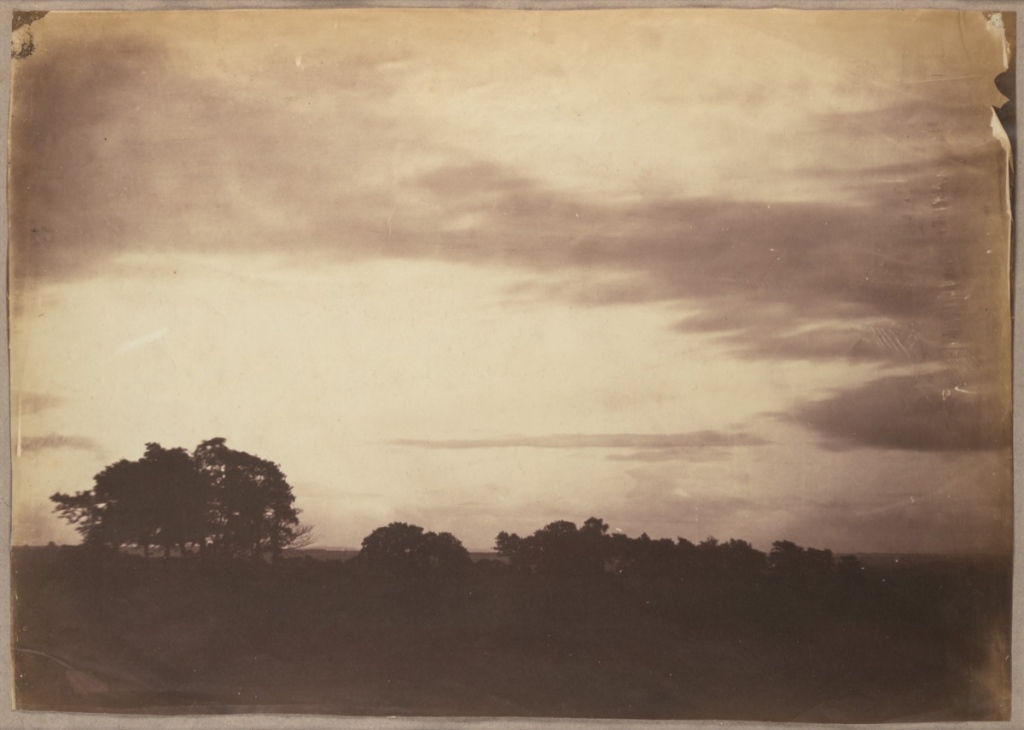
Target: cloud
<point>890,343</point>
<point>907,266</point>
<point>698,446</point>
<point>133,138</point>
<point>933,412</point>
<point>132,146</point>
<point>30,444</point>
<point>669,441</point>
<point>692,455</point>
<point>30,403</point>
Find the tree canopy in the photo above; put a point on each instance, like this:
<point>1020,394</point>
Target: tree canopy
<point>560,548</point>
<point>404,548</point>
<point>215,500</point>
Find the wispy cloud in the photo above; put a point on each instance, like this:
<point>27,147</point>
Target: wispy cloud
<point>689,454</point>
<point>29,403</point>
<point>643,441</point>
<point>48,441</point>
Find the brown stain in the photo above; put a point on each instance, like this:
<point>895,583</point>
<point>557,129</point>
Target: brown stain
<point>26,17</point>
<point>24,47</point>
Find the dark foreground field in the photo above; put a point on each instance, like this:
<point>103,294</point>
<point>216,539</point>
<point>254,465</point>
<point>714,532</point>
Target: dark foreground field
<point>928,641</point>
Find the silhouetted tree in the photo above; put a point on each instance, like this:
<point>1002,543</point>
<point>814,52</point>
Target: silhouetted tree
<point>392,546</point>
<point>645,557</point>
<point>403,548</point>
<point>251,503</point>
<point>123,508</point>
<point>507,546</point>
<point>850,568</point>
<point>740,560</point>
<point>230,500</point>
<point>559,548</point>
<point>83,510</point>
<point>441,551</point>
<point>177,497</point>
<point>594,526</point>
<point>789,561</point>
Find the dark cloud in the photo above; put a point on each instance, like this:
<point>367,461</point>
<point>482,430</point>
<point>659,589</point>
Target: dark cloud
<point>933,412</point>
<point>62,103</point>
<point>920,259</point>
<point>865,343</point>
<point>671,442</point>
<point>123,147</point>
<point>123,143</point>
<point>956,108</point>
<point>31,444</point>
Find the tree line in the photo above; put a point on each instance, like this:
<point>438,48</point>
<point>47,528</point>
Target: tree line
<point>564,550</point>
<point>214,501</point>
<point>561,548</point>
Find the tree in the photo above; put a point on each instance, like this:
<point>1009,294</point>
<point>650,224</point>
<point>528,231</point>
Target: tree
<point>83,510</point>
<point>124,507</point>
<point>176,498</point>
<point>559,548</point>
<point>789,561</point>
<point>216,498</point>
<point>441,551</point>
<point>740,559</point>
<point>407,549</point>
<point>392,546</point>
<point>786,559</point>
<point>251,503</point>
<point>508,546</point>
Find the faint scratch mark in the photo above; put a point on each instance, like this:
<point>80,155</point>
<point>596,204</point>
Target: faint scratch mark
<point>142,341</point>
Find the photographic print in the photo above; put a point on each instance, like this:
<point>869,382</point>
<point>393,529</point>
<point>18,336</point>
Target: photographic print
<point>598,363</point>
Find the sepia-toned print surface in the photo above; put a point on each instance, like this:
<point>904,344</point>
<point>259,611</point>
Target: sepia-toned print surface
<point>573,364</point>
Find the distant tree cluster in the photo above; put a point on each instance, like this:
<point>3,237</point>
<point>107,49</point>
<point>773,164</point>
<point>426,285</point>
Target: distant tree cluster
<point>407,549</point>
<point>561,548</point>
<point>215,502</point>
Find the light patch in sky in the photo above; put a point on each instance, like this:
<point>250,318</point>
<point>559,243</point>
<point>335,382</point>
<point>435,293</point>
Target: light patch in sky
<point>358,356</point>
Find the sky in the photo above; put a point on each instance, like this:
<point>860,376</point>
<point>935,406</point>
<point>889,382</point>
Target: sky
<point>740,274</point>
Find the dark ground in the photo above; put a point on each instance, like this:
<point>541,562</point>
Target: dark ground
<point>927,641</point>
